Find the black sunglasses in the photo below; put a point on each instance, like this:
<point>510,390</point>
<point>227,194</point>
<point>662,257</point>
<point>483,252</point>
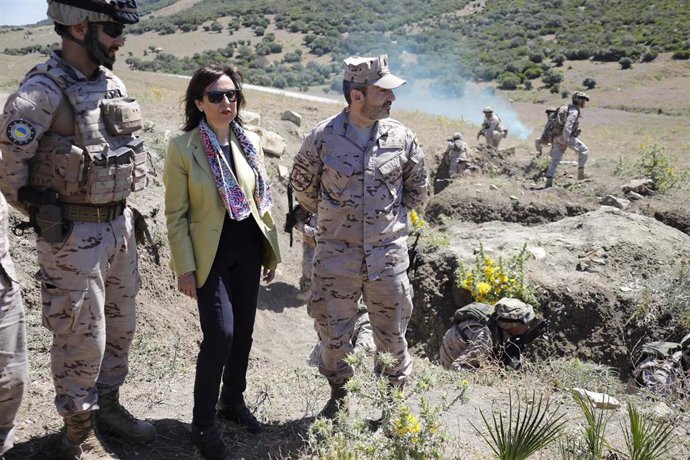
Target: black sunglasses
<point>112,29</point>
<point>216,97</point>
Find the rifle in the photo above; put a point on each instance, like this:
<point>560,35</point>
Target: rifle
<point>512,350</point>
<point>412,255</point>
<point>291,215</point>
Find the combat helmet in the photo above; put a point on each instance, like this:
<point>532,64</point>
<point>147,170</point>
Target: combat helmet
<point>456,137</point>
<point>514,310</point>
<point>71,12</point>
<point>580,95</point>
<point>488,109</point>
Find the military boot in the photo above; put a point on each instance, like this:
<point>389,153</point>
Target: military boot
<point>549,182</point>
<point>336,403</point>
<point>82,441</point>
<point>114,419</point>
<point>581,174</point>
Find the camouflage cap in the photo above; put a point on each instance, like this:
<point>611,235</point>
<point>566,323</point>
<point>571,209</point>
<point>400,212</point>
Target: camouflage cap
<point>580,95</point>
<point>685,343</point>
<point>514,310</point>
<point>371,71</point>
<point>71,12</point>
<point>488,109</point>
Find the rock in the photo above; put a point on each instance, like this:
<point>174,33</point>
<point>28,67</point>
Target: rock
<point>273,143</point>
<point>538,252</point>
<point>493,187</point>
<point>600,400</point>
<point>610,200</point>
<point>661,411</point>
<point>294,117</point>
<point>634,196</point>
<point>283,171</point>
<point>514,198</point>
<point>642,186</point>
<point>251,119</point>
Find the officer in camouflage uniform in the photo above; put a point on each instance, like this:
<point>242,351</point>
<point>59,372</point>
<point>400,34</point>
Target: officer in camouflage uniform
<point>13,364</point>
<point>456,157</point>
<point>360,172</point>
<point>492,129</point>
<point>473,339</point>
<point>666,375</point>
<point>70,160</point>
<point>569,139</point>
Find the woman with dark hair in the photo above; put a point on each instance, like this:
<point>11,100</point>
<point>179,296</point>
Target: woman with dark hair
<point>217,201</point>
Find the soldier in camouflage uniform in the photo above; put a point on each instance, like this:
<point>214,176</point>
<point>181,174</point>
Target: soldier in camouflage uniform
<point>13,364</point>
<point>476,338</point>
<point>70,160</point>
<point>456,157</point>
<point>666,375</point>
<point>360,172</point>
<point>569,139</point>
<point>492,128</point>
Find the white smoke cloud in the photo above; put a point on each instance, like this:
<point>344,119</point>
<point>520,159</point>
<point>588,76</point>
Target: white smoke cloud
<point>415,95</point>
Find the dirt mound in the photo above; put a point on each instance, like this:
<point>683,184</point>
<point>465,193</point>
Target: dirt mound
<point>591,277</point>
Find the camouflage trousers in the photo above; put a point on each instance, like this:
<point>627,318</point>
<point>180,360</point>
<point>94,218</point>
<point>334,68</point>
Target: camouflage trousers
<point>557,151</point>
<point>308,246</point>
<point>89,284</point>
<point>493,138</point>
<point>333,306</point>
<point>13,363</point>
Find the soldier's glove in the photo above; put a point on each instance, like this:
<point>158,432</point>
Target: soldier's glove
<point>141,228</point>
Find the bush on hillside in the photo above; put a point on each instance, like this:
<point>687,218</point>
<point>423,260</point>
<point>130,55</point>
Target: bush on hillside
<point>508,80</point>
<point>625,63</point>
<point>589,83</point>
<point>552,77</point>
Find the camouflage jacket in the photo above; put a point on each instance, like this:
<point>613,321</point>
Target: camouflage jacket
<point>491,124</point>
<point>465,345</point>
<point>360,196</point>
<point>571,128</point>
<point>662,376</point>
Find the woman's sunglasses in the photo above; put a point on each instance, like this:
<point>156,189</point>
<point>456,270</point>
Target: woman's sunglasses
<point>112,29</point>
<point>215,97</point>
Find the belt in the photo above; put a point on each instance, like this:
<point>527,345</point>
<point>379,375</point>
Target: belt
<point>96,213</point>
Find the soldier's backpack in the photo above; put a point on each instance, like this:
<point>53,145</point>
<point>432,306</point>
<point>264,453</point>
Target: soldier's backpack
<point>657,350</point>
<point>476,311</point>
<point>554,124</point>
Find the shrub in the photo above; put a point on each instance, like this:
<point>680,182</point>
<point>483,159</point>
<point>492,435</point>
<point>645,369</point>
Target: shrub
<point>532,73</point>
<point>659,166</point>
<point>508,80</point>
<point>625,63</point>
<point>558,60</point>
<point>646,439</point>
<point>552,77</point>
<point>649,55</point>
<point>536,57</point>
<point>555,89</point>
<point>681,55</point>
<point>589,83</point>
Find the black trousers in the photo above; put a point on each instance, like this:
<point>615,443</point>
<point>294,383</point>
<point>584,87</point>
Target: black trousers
<point>227,308</point>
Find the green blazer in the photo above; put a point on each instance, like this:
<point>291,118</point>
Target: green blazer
<point>194,211</point>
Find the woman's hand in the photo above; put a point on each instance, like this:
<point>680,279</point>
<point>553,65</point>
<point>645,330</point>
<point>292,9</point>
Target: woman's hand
<point>268,275</point>
<point>186,284</point>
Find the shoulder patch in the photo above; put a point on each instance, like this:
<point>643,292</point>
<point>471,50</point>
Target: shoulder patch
<point>20,132</point>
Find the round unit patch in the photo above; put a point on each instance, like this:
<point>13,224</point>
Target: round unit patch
<point>20,132</point>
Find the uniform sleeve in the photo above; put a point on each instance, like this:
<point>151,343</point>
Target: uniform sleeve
<point>175,179</point>
<point>569,126</point>
<point>28,114</point>
<point>306,173</point>
<point>415,177</point>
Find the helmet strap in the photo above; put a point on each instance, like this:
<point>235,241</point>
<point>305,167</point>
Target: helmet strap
<point>94,48</point>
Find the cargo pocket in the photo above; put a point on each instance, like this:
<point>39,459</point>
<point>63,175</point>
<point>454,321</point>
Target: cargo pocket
<point>391,172</point>
<point>121,115</point>
<point>65,309</point>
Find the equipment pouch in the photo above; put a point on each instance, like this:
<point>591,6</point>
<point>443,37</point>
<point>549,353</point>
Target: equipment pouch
<point>121,115</point>
<point>50,224</point>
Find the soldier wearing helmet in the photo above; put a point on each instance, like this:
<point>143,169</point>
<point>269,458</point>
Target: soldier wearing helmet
<point>70,160</point>
<point>456,157</point>
<point>492,128</point>
<point>569,139</point>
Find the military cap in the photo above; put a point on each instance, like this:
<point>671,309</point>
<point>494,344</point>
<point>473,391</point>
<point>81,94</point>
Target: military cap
<point>685,343</point>
<point>371,71</point>
<point>514,310</point>
<point>580,95</point>
<point>488,109</point>
<point>551,110</point>
<point>71,12</point>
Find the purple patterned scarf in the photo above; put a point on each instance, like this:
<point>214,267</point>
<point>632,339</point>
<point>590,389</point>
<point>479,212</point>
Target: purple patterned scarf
<point>226,182</point>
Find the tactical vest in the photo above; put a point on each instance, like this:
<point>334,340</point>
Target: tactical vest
<point>103,162</point>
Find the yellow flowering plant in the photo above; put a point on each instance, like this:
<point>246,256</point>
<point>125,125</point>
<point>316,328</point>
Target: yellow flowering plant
<point>489,281</point>
<point>417,223</point>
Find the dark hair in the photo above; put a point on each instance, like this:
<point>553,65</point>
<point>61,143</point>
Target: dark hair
<point>349,86</point>
<point>203,77</point>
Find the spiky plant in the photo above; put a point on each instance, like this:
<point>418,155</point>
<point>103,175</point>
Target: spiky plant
<point>646,439</point>
<point>596,426</point>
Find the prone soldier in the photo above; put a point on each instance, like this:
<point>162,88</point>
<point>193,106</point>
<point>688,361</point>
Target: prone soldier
<point>70,160</point>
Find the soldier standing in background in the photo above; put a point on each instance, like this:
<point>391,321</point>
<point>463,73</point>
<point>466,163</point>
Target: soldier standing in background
<point>70,160</point>
<point>13,363</point>
<point>492,128</point>
<point>360,172</point>
<point>456,157</point>
<point>569,139</point>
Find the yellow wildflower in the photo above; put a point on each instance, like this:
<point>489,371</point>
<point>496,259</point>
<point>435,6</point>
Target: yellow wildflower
<point>483,288</point>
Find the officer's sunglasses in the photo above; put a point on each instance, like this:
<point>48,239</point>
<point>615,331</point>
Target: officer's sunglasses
<point>112,29</point>
<point>216,97</point>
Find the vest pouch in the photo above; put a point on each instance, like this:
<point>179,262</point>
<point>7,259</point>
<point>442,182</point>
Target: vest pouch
<point>121,115</point>
<point>110,176</point>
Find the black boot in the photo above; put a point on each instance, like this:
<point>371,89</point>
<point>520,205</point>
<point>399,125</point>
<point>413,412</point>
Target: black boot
<point>209,443</point>
<point>241,415</point>
<point>336,403</point>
